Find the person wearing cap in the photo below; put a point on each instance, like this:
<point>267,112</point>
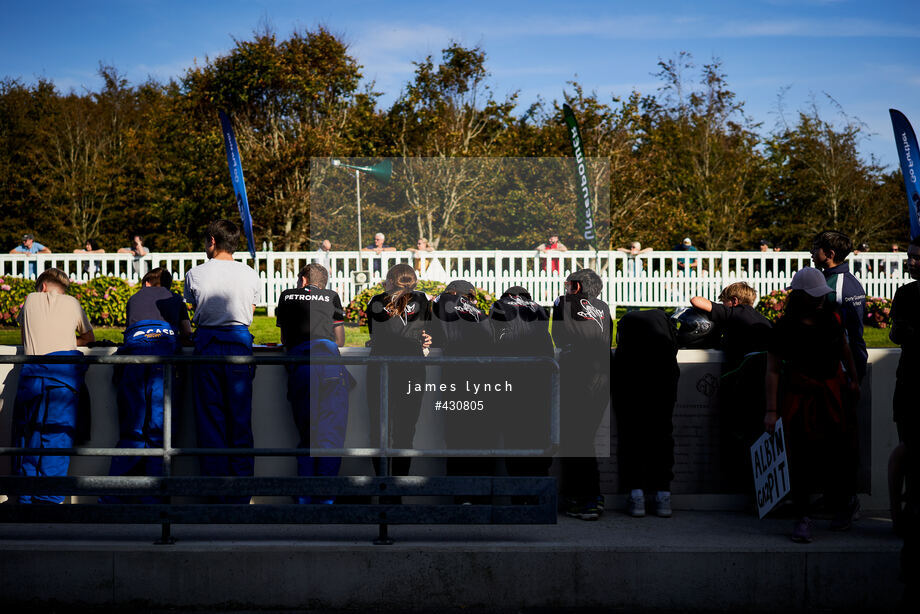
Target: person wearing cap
<point>460,328</point>
<point>520,327</point>
<point>30,246</point>
<point>806,387</point>
<point>829,252</point>
<point>683,264</point>
<point>583,331</point>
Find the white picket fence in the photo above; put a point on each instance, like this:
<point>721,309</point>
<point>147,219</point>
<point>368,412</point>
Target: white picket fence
<point>667,278</point>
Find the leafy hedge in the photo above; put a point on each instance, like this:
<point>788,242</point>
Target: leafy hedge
<point>104,299</point>
<point>13,291</point>
<point>356,311</point>
<point>878,310</point>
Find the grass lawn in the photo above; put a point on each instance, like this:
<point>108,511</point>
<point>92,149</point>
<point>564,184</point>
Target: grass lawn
<point>264,330</point>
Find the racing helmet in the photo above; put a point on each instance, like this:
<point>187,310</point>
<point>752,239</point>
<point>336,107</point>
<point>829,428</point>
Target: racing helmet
<point>693,328</point>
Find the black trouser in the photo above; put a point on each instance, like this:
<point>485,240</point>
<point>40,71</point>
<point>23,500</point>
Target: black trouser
<point>644,408</point>
<point>402,410</point>
<point>585,396</point>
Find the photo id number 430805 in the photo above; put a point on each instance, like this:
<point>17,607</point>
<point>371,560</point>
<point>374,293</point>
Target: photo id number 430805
<point>459,405</point>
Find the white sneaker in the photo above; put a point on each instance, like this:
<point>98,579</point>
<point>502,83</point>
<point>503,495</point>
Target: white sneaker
<point>635,505</point>
<point>663,504</point>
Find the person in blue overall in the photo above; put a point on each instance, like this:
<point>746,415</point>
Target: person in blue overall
<point>311,320</point>
<point>47,406</point>
<point>157,321</point>
<point>224,294</point>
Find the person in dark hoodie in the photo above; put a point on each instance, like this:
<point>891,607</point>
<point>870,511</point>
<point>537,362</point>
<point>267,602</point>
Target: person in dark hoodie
<point>397,320</point>
<point>644,378</point>
<point>520,327</point>
<point>582,329</point>
<point>460,329</point>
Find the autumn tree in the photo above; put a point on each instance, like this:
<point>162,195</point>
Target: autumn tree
<point>290,101</point>
<point>447,112</point>
<point>701,152</point>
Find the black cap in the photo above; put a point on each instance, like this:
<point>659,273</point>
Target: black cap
<point>516,291</point>
<point>461,287</point>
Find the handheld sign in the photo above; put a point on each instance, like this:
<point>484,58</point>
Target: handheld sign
<point>771,471</point>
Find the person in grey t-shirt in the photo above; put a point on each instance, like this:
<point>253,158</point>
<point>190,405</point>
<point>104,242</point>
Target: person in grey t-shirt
<point>224,294</point>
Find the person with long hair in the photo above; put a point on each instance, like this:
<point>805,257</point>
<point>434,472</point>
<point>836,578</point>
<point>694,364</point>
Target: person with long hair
<point>396,320</point>
<point>807,387</point>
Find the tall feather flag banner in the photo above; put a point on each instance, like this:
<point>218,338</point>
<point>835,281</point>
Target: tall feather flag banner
<point>909,155</point>
<point>236,177</point>
<point>584,214</point>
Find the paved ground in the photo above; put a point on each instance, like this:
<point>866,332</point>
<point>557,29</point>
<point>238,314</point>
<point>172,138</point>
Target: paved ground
<point>707,561</point>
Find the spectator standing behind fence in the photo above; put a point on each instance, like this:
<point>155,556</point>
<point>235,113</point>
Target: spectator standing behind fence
<point>582,329</point>
<point>905,331</point>
<point>224,294</point>
<point>421,262</point>
<point>30,246</point>
<point>552,244</point>
<point>138,250</point>
<point>643,389</point>
<point>311,320</point>
<point>91,247</point>
<point>157,325</point>
<point>397,320</point>
<point>808,389</point>
<point>379,246</point>
<point>321,255</point>
<point>829,251</point>
<point>686,264</point>
<point>47,412</point>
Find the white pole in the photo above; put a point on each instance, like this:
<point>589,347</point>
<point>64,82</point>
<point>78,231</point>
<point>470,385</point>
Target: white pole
<point>358,192</point>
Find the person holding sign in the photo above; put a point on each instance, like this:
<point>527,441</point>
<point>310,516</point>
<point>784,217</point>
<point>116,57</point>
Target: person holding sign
<point>807,387</point>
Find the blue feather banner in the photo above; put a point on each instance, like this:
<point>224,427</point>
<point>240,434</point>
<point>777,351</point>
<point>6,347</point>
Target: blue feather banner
<point>909,155</point>
<point>236,177</point>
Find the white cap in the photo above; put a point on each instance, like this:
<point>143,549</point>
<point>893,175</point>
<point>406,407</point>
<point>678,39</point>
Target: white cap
<point>687,241</point>
<point>811,280</point>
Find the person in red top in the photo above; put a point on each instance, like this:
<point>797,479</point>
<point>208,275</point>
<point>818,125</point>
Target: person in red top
<point>552,243</point>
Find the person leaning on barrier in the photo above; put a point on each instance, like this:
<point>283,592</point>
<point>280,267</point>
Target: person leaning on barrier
<point>157,325</point>
<point>743,335</point>
<point>582,329</point>
<point>643,387</point>
<point>460,328</point>
<point>224,294</point>
<point>520,327</point>
<point>312,320</point>
<point>397,320</point>
<point>47,411</point>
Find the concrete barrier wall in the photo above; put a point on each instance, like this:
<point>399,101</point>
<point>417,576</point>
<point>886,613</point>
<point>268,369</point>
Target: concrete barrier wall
<point>698,463</point>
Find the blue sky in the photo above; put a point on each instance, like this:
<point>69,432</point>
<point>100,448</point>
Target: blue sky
<point>862,53</point>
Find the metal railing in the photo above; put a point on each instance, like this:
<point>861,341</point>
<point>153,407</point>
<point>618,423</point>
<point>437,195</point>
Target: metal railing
<point>665,278</point>
<point>543,489</point>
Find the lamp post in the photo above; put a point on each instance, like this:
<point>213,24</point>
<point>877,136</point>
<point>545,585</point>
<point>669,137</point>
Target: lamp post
<point>381,172</point>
